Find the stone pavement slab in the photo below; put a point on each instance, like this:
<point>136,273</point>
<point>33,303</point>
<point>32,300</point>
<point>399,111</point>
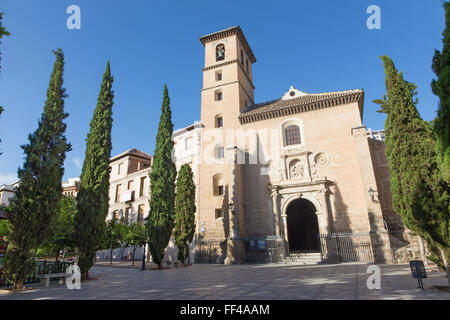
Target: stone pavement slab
<point>236,282</point>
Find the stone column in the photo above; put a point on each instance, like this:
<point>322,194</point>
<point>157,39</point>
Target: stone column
<point>276,211</point>
<point>323,200</point>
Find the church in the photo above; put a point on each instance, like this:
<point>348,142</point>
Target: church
<point>296,177</point>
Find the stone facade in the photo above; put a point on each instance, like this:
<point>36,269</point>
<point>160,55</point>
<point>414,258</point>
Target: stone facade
<point>129,186</point>
<point>270,157</point>
<point>71,187</point>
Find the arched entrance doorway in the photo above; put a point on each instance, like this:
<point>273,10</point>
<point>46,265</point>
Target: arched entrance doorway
<point>302,226</point>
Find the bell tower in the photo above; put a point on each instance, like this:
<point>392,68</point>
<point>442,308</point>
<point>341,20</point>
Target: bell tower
<point>227,89</point>
<point>227,76</point>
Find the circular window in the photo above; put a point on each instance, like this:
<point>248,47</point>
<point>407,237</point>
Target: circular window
<point>292,93</point>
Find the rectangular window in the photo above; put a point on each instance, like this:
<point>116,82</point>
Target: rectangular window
<point>219,213</point>
<point>219,96</point>
<point>119,170</point>
<point>218,75</point>
<point>117,198</point>
<point>127,214</point>
<point>141,213</point>
<point>188,144</point>
<point>141,188</point>
<point>219,122</point>
<point>220,153</point>
<point>130,185</point>
<point>220,190</point>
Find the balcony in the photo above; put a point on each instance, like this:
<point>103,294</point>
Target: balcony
<point>127,196</point>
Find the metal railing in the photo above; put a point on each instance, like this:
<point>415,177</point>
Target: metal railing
<point>346,247</point>
<point>270,249</point>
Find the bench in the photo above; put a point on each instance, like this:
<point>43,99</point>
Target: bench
<point>45,278</point>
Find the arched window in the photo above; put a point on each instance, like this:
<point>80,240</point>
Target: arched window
<point>292,134</point>
<point>220,52</point>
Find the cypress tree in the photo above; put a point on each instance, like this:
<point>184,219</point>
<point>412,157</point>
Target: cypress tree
<point>441,88</point>
<point>36,203</point>
<point>92,199</point>
<point>162,184</point>
<point>419,193</point>
<point>184,211</point>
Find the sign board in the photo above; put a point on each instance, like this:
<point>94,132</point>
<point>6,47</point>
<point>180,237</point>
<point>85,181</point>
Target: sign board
<point>417,269</point>
<point>257,244</point>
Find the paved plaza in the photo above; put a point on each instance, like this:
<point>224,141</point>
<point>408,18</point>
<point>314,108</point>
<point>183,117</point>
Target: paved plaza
<point>234,282</point>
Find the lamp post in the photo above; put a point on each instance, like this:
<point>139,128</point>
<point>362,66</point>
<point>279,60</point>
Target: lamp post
<point>145,243</point>
<point>372,193</point>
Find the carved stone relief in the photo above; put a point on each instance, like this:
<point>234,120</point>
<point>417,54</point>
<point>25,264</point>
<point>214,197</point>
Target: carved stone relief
<point>296,169</point>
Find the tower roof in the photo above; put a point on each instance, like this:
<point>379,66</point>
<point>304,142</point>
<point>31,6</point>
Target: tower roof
<point>236,30</point>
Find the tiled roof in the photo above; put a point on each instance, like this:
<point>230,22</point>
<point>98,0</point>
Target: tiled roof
<point>134,152</point>
<point>308,102</point>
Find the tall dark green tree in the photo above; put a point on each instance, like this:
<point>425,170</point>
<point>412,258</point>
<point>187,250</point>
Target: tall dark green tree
<point>441,88</point>
<point>162,179</point>
<point>92,199</point>
<point>184,211</point>
<point>32,211</point>
<point>419,193</point>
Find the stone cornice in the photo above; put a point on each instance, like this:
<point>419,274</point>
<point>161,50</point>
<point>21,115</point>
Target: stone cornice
<point>228,63</point>
<point>280,109</point>
<point>220,65</point>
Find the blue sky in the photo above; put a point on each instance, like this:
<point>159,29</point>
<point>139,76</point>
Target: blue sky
<point>316,46</point>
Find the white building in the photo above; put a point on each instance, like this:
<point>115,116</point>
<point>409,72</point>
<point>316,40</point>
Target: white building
<point>129,184</point>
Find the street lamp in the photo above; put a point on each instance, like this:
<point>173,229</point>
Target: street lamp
<point>145,243</point>
<point>231,206</point>
<point>372,194</point>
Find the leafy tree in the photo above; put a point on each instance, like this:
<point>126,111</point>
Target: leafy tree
<point>134,237</point>
<point>162,179</point>
<point>441,88</point>
<point>115,235</point>
<point>35,206</point>
<point>63,227</point>
<point>419,193</point>
<point>3,228</point>
<point>92,199</point>
<point>184,211</point>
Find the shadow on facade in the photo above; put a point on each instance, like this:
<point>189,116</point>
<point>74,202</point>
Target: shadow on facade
<point>340,244</point>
